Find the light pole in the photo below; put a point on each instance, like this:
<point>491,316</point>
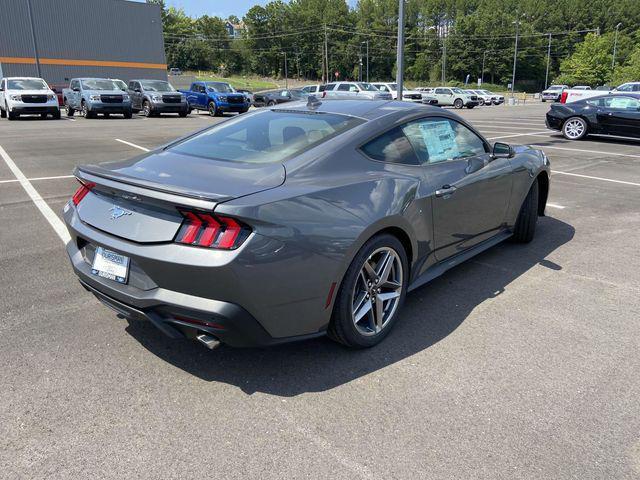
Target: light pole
<point>367,55</point>
<point>615,45</point>
<point>400,54</point>
<point>484,54</point>
<point>360,64</point>
<point>546,77</point>
<point>515,57</point>
<point>286,72</point>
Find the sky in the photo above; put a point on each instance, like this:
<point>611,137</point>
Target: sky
<point>220,8</point>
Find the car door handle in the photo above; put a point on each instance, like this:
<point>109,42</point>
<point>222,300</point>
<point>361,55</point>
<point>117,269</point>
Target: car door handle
<point>445,190</point>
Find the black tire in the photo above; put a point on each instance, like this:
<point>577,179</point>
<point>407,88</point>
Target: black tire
<point>271,103</point>
<point>481,101</point>
<point>525,227</point>
<point>3,113</point>
<point>57,115</point>
<point>575,128</point>
<point>184,113</point>
<point>128,114</point>
<point>44,116</point>
<point>458,103</point>
<point>70,111</point>
<point>244,111</point>
<point>543,100</point>
<point>86,113</point>
<point>342,328</point>
<point>470,106</point>
<point>146,109</point>
<point>12,115</point>
<point>212,109</point>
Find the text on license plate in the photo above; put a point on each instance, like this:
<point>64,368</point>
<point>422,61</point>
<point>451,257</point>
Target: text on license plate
<point>111,265</point>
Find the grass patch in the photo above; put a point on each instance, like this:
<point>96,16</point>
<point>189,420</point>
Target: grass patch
<point>249,83</point>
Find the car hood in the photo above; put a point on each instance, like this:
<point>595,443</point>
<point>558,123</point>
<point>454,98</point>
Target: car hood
<point>191,176</point>
<point>31,92</point>
<point>105,92</point>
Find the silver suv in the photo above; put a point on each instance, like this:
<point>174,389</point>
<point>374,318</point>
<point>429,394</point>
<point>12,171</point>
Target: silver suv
<point>355,90</point>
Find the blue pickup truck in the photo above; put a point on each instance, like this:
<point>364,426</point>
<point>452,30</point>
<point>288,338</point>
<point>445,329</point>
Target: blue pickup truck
<point>91,96</point>
<point>215,97</point>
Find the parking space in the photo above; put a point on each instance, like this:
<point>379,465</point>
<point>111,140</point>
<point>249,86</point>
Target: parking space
<point>518,364</point>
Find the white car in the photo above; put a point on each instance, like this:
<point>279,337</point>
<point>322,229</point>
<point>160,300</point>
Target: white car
<point>392,88</point>
<point>582,87</point>
<point>496,98</point>
<point>27,96</point>
<point>313,89</point>
<point>354,90</point>
<point>454,96</point>
<point>553,93</point>
<point>574,94</point>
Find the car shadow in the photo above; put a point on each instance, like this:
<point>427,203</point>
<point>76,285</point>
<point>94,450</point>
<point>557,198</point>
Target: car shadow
<point>430,314</point>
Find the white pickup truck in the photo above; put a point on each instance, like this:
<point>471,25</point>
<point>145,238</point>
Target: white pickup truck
<point>574,94</point>
<point>27,96</point>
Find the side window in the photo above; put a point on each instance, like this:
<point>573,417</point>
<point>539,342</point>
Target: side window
<point>440,139</point>
<point>440,91</point>
<point>383,88</point>
<point>132,85</point>
<point>329,86</point>
<point>353,88</point>
<point>622,103</point>
<point>624,88</point>
<point>636,87</point>
<point>596,103</point>
<point>75,84</point>
<point>344,87</point>
<point>284,93</point>
<point>391,147</point>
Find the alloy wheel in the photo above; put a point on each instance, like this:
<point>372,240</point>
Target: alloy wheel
<point>574,128</point>
<point>377,291</point>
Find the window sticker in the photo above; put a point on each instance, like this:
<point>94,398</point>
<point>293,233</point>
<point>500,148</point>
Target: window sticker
<point>440,139</point>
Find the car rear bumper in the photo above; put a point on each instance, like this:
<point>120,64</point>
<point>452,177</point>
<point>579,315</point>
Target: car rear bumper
<point>553,123</point>
<point>242,297</point>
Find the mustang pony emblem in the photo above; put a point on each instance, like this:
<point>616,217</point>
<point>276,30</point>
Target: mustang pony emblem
<point>117,212</point>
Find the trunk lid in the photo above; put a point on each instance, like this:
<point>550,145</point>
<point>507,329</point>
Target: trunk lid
<point>140,199</point>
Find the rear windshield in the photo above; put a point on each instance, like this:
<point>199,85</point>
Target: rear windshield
<point>98,84</point>
<point>157,86</point>
<point>26,84</point>
<point>266,137</point>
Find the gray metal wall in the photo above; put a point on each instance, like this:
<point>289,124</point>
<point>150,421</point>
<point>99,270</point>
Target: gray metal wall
<point>72,31</point>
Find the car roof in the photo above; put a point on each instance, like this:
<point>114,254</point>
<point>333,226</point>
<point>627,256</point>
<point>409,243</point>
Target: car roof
<point>23,78</point>
<point>367,109</point>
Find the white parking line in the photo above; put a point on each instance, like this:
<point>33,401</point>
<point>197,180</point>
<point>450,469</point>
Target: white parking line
<point>70,119</point>
<point>596,178</point>
<point>514,124</point>
<point>38,178</point>
<point>587,151</point>
<point>44,208</point>
<point>528,134</point>
<point>555,205</point>
<point>132,145</point>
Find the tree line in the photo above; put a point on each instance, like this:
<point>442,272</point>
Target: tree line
<point>568,41</point>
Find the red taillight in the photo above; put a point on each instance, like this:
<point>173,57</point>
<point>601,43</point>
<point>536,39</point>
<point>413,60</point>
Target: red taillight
<point>205,230</point>
<point>82,191</point>
<point>563,97</point>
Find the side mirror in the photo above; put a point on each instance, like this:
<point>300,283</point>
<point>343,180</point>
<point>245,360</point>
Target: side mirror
<point>76,89</point>
<point>502,150</point>
<point>138,90</point>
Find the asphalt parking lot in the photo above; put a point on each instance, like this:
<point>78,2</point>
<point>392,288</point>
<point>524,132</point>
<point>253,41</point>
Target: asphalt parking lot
<point>520,364</point>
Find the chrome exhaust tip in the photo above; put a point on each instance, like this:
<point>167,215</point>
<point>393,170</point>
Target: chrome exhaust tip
<point>208,341</point>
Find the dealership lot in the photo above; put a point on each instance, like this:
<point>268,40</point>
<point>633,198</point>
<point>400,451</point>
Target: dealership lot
<point>518,364</point>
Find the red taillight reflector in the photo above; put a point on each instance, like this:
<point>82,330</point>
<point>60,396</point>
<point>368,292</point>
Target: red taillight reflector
<point>563,97</point>
<point>207,230</point>
<point>208,235</point>
<point>230,234</point>
<point>82,191</point>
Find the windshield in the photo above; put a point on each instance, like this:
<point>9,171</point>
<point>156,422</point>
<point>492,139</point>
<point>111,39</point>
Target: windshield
<point>120,84</point>
<point>157,86</point>
<point>367,87</point>
<point>99,84</point>
<point>555,87</point>
<point>219,87</point>
<point>27,84</point>
<point>457,90</point>
<point>486,92</point>
<point>266,137</point>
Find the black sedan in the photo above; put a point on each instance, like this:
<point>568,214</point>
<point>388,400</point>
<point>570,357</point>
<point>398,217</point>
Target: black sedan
<point>605,115</point>
<point>274,97</point>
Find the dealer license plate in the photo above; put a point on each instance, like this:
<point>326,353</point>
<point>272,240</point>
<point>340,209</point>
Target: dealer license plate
<point>111,265</point>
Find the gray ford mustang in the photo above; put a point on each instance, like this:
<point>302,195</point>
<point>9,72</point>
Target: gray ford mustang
<point>298,221</point>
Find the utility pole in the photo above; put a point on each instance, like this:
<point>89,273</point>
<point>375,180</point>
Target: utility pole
<point>36,55</point>
<point>515,57</point>
<point>615,45</point>
<point>367,61</point>
<point>360,63</point>
<point>326,52</point>
<point>484,54</point>
<point>444,58</point>
<point>286,72</point>
<point>546,77</point>
<point>400,54</point>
